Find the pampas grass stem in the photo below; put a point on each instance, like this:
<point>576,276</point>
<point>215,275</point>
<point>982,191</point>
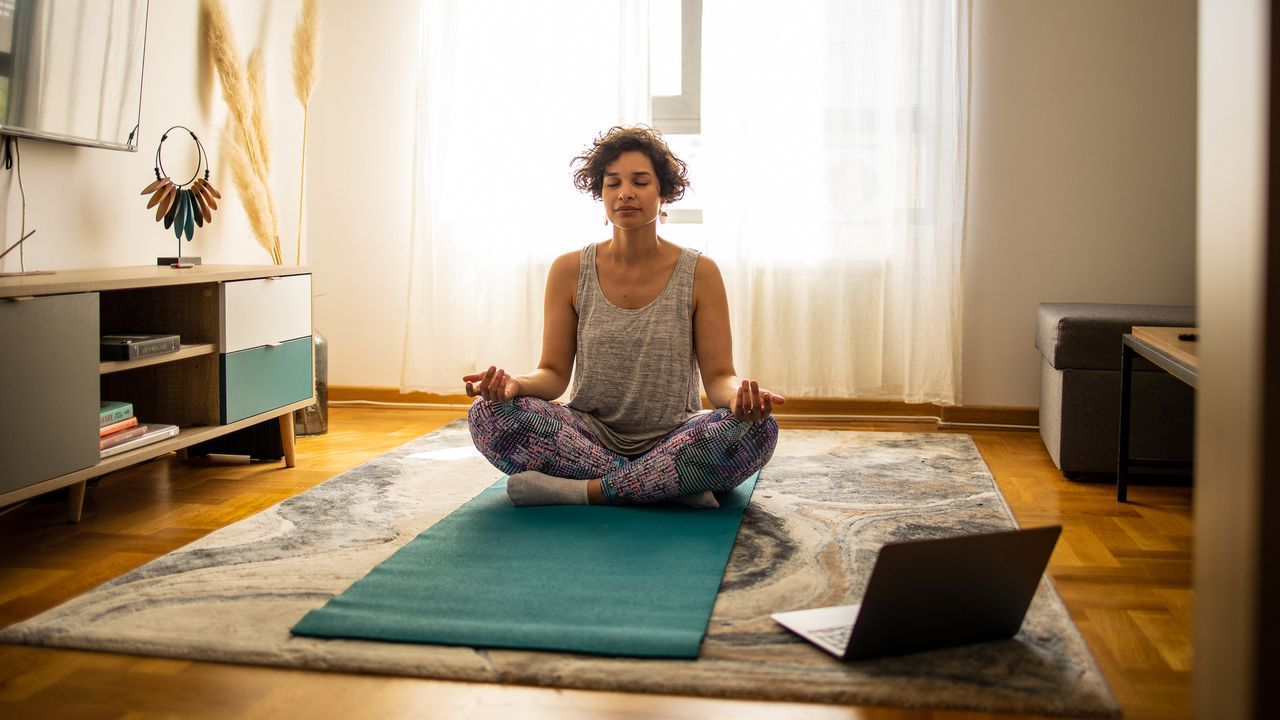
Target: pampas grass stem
<point>306,41</point>
<point>302,183</point>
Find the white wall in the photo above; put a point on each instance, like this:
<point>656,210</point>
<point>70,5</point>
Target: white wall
<point>360,167</point>
<point>1082,171</point>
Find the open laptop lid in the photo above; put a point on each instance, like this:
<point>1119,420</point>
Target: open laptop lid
<point>927,594</point>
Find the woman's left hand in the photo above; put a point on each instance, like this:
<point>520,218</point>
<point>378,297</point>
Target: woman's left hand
<point>752,404</point>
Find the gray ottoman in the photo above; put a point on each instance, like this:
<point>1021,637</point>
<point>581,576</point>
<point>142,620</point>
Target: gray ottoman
<point>1079,347</point>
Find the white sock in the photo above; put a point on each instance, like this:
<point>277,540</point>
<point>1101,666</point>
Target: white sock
<point>534,488</point>
<point>704,499</point>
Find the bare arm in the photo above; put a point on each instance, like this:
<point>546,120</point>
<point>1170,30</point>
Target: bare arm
<point>713,343</point>
<point>559,344</point>
<point>559,332</point>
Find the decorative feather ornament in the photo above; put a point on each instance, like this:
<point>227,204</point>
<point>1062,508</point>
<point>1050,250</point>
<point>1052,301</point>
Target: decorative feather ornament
<point>182,206</point>
<point>180,214</point>
<point>164,199</point>
<point>203,214</point>
<point>158,197</point>
<point>188,216</point>
<point>170,215</point>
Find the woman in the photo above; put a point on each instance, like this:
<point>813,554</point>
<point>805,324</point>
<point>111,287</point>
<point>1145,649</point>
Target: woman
<point>640,317</point>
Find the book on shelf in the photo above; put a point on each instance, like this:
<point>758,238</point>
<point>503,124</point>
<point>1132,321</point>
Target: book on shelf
<point>120,436</point>
<point>111,411</point>
<point>116,427</point>
<point>152,432</point>
<point>132,347</point>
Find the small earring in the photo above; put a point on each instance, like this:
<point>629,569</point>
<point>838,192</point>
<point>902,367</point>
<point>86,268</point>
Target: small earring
<point>606,221</point>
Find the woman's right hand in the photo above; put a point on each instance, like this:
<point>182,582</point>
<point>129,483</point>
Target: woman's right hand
<point>494,385</point>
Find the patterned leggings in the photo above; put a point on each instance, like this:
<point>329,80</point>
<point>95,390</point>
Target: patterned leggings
<point>712,451</point>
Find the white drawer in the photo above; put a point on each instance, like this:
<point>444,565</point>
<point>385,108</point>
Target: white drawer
<point>264,312</point>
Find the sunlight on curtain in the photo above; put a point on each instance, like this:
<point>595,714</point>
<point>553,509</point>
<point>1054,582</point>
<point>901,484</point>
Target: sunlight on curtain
<point>832,179</point>
<point>831,172</point>
<point>509,92</point>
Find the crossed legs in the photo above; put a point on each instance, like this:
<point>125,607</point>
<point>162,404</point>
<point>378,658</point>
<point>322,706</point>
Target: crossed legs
<point>537,439</point>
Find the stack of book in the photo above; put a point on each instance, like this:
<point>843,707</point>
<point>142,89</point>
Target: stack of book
<point>119,430</point>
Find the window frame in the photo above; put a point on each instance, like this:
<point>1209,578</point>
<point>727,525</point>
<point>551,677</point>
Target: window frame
<point>682,114</point>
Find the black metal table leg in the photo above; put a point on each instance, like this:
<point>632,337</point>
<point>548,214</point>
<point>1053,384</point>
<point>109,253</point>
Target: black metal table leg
<point>1126,389</point>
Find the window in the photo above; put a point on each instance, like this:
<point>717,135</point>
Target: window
<point>675,82</point>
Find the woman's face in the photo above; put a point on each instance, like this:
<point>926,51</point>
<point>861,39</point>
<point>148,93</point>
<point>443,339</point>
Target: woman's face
<point>631,191</point>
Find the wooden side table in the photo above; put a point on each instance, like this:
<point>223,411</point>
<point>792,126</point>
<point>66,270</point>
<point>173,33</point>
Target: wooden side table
<point>1172,349</point>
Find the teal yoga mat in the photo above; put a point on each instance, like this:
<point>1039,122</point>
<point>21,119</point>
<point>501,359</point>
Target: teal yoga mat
<point>627,581</point>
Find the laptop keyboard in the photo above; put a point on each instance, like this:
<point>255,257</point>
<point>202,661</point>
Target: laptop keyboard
<point>837,636</point>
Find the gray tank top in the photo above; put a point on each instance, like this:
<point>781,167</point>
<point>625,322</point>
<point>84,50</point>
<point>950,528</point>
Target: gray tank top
<point>635,377</point>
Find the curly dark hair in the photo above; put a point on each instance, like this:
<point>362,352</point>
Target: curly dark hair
<point>589,167</point>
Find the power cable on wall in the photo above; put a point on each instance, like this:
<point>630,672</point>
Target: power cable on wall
<point>12,157</point>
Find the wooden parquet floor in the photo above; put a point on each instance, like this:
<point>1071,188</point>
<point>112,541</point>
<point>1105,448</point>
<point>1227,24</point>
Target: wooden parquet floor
<point>1124,571</point>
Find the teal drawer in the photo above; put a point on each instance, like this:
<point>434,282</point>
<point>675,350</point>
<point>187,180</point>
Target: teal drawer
<point>265,378</point>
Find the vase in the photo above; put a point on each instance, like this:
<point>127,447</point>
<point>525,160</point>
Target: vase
<point>314,418</point>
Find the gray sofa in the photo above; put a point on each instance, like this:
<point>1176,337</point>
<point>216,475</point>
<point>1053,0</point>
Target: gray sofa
<point>1080,347</point>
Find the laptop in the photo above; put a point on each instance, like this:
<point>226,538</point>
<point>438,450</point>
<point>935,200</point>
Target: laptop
<point>928,594</point>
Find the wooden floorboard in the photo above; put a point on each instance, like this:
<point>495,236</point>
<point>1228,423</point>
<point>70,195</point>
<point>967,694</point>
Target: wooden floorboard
<point>1123,570</point>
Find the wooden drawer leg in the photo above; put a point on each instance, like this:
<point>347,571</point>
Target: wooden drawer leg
<point>75,501</point>
<point>286,438</point>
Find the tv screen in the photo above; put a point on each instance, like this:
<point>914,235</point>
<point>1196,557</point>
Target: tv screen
<point>71,70</point>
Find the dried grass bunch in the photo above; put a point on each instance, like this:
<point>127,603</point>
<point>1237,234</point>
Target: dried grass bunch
<point>245,139</point>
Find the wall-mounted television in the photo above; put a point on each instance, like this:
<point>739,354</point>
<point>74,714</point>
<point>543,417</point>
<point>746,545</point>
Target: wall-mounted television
<point>71,70</point>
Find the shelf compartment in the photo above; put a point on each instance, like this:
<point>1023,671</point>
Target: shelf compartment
<point>107,367</point>
<point>182,393</point>
<point>188,311</point>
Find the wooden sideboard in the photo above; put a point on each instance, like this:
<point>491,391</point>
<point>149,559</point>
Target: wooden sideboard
<point>245,358</point>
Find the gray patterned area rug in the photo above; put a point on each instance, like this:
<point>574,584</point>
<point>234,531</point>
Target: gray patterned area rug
<point>822,508</point>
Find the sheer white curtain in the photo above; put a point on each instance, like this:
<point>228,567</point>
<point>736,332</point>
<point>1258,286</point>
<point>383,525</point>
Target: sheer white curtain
<point>508,93</point>
<point>833,179</point>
